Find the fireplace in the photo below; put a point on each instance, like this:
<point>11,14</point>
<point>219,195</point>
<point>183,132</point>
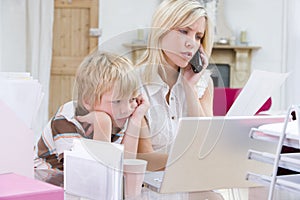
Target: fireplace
<point>231,64</point>
<point>220,74</point>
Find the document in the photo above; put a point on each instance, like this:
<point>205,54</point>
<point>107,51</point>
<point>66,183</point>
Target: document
<point>94,169</point>
<point>22,94</point>
<point>255,93</point>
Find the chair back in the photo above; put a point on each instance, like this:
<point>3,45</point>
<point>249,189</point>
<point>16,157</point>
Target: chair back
<point>224,98</point>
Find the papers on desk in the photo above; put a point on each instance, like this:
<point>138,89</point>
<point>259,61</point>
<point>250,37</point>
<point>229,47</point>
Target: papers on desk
<point>94,169</point>
<point>22,94</point>
<point>20,97</point>
<point>255,93</point>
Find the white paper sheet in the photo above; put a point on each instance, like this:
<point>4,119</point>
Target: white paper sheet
<point>22,94</point>
<point>256,92</point>
<point>93,169</point>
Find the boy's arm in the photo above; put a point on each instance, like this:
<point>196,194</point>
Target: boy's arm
<point>131,137</point>
<point>101,123</point>
<point>137,124</point>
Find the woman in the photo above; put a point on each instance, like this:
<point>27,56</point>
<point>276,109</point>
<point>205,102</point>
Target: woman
<point>180,28</point>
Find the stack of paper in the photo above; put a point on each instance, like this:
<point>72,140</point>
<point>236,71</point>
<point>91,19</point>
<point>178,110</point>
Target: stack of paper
<point>22,94</point>
<point>20,97</point>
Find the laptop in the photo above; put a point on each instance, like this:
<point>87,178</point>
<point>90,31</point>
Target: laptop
<point>211,153</point>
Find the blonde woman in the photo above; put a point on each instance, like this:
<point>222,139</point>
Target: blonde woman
<point>107,108</point>
<point>179,29</point>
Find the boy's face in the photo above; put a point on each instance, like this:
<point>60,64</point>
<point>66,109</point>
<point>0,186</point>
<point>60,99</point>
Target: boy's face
<point>118,109</point>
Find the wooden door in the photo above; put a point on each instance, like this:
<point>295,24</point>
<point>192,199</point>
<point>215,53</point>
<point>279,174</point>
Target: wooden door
<point>73,20</point>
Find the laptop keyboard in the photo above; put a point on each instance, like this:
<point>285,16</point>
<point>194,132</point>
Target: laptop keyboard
<point>154,179</point>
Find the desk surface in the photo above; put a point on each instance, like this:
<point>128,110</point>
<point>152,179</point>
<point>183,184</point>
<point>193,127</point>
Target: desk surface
<point>56,178</point>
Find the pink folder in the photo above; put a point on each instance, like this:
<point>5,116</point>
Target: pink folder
<point>18,187</point>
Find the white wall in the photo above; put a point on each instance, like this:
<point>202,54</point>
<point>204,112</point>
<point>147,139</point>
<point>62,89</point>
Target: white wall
<point>264,25</point>
<point>264,22</point>
<point>1,38</point>
<point>292,52</point>
<point>13,36</point>
<point>119,21</point>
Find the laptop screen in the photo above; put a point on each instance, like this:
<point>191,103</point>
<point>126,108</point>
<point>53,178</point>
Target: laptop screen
<point>211,153</point>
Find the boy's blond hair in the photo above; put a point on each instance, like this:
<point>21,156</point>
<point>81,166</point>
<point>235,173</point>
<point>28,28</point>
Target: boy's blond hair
<point>101,72</point>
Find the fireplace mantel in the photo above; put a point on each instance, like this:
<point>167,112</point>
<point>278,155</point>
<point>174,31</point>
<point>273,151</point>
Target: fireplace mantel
<point>238,57</point>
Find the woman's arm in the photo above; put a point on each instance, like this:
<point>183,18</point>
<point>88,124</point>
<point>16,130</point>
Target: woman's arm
<point>195,109</point>
<point>156,161</point>
<point>202,107</point>
<point>207,99</point>
<point>198,107</point>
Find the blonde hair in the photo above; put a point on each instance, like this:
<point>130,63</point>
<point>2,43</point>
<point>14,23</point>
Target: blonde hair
<point>169,15</point>
<point>101,72</point>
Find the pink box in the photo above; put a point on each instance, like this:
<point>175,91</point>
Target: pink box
<point>17,187</point>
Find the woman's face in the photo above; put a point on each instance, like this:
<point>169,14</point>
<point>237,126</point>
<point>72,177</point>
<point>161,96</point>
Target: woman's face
<point>180,44</point>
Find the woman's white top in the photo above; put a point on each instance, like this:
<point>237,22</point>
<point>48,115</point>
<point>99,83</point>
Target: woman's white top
<point>163,117</point>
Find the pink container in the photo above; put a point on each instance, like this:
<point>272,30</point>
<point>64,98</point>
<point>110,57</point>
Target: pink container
<point>17,187</point>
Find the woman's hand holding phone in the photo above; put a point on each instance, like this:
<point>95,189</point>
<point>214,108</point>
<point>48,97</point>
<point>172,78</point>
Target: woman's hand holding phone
<point>198,63</point>
<point>199,60</point>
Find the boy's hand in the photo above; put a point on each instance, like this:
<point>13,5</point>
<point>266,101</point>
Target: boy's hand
<point>142,107</point>
<point>89,128</point>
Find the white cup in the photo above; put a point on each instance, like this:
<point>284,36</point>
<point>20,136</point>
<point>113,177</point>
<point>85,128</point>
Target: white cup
<point>134,173</point>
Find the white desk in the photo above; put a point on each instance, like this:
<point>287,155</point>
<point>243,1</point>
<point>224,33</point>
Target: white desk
<point>259,193</point>
<point>149,195</point>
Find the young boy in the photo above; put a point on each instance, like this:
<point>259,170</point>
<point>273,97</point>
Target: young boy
<point>107,107</point>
